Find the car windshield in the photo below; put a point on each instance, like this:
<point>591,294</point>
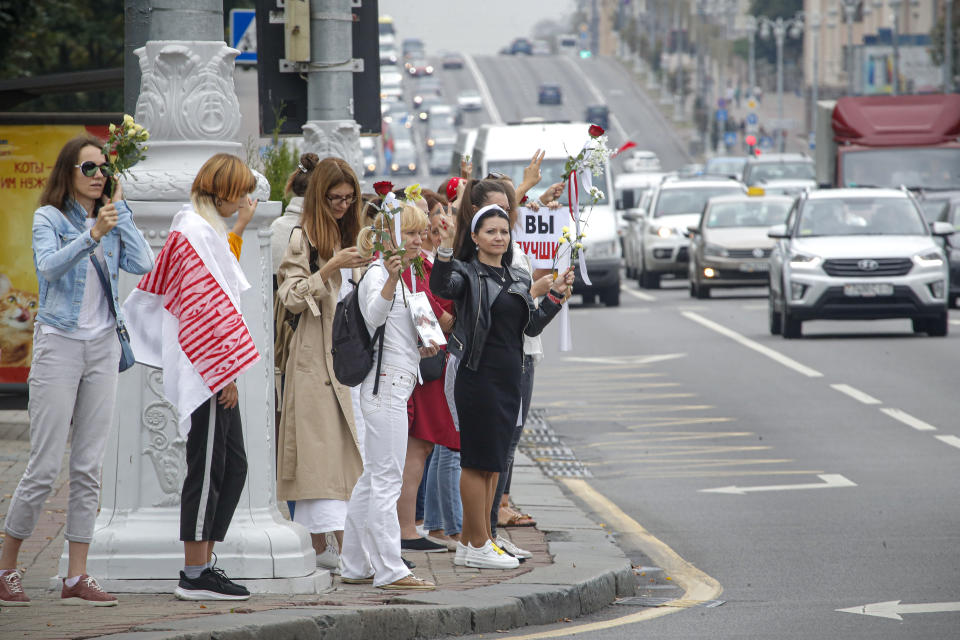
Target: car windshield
<point>674,202</point>
<point>860,217</point>
<point>751,213</point>
<point>725,166</point>
<point>765,171</point>
<point>933,210</point>
<point>928,168</point>
<point>551,171</point>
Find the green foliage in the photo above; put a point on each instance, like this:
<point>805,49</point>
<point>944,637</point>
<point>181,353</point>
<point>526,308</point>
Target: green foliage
<point>279,160</point>
<point>56,36</point>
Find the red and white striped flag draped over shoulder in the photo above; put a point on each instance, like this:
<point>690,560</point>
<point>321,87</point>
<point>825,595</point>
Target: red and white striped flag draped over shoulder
<point>184,316</point>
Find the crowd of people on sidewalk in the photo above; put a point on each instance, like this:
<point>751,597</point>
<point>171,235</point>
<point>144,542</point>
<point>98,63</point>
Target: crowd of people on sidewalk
<point>415,454</point>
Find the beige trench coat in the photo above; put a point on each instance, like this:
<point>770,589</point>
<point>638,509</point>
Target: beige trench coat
<point>317,451</point>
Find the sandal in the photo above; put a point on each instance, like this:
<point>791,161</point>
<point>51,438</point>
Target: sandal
<point>518,519</point>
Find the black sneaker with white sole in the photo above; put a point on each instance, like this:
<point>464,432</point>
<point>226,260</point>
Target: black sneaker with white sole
<point>212,584</point>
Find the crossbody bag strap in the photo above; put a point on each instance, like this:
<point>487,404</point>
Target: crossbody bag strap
<point>106,287</point>
<point>378,336</point>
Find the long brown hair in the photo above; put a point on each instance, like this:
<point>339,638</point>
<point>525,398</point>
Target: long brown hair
<point>474,195</point>
<point>59,186</point>
<point>322,229</point>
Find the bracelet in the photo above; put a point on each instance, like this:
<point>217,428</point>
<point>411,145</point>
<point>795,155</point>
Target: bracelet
<point>445,252</point>
<point>554,297</point>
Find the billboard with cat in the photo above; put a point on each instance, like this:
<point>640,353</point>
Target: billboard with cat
<point>27,154</point>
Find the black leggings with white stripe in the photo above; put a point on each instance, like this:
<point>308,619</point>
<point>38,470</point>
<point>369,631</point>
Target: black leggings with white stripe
<point>216,471</point>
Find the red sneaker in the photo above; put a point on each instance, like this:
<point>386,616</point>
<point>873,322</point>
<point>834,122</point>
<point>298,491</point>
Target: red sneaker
<point>11,590</point>
<point>86,591</point>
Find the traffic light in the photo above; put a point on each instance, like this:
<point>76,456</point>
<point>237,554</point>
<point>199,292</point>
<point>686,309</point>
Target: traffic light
<point>585,53</point>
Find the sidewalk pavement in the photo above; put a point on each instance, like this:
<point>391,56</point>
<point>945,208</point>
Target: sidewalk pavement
<point>576,569</point>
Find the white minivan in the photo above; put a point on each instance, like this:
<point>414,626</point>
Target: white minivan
<point>507,149</point>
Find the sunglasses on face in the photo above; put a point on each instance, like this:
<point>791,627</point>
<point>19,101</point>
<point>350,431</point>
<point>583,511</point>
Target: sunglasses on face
<point>496,175</point>
<point>341,199</point>
<point>89,169</point>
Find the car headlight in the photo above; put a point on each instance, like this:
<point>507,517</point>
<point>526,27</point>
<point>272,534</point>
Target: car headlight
<point>429,69</point>
<point>394,166</point>
<point>928,259</point>
<point>663,232</point>
<point>715,251</point>
<point>606,249</point>
<point>431,142</point>
<point>412,166</point>
<point>804,261</point>
<point>371,167</point>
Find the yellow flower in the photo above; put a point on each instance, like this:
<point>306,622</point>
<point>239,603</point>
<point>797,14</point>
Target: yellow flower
<point>137,128</point>
<point>565,230</point>
<point>562,239</point>
<point>127,120</point>
<point>145,134</point>
<point>413,192</point>
<point>113,127</point>
<point>579,245</point>
<point>583,235</point>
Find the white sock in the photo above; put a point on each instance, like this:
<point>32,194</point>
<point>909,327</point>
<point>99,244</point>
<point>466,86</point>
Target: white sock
<point>72,582</point>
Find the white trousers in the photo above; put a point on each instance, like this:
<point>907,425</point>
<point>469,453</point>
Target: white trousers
<point>321,515</point>
<point>371,539</point>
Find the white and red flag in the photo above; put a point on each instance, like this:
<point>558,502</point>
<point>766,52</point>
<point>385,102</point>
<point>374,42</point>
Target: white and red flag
<point>184,316</point>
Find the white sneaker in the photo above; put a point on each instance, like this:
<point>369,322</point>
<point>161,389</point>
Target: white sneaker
<point>460,557</point>
<point>513,549</point>
<point>330,559</point>
<point>489,556</point>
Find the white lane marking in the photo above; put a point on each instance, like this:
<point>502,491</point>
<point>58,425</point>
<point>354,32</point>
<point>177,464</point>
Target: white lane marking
<point>908,419</point>
<point>625,359</point>
<point>953,441</point>
<point>484,90</point>
<point>856,394</point>
<point>756,346</point>
<point>955,322</point>
<point>830,481</point>
<point>596,93</point>
<point>640,295</point>
<point>893,609</point>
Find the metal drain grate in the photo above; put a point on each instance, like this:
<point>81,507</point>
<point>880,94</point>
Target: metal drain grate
<point>541,443</point>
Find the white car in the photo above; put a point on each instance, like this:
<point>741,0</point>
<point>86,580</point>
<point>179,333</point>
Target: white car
<point>639,160</point>
<point>858,254</point>
<point>470,100</point>
<point>675,204</point>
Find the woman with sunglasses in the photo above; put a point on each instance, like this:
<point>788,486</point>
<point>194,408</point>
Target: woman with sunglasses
<point>319,449</point>
<point>73,376</point>
<point>494,297</point>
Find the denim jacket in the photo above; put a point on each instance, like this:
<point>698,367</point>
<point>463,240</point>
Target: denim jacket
<point>61,246</point>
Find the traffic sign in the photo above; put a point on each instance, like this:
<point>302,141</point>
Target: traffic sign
<point>752,118</point>
<point>243,34</point>
<point>766,142</point>
<point>721,103</point>
<point>721,115</point>
<point>751,104</point>
<point>730,138</point>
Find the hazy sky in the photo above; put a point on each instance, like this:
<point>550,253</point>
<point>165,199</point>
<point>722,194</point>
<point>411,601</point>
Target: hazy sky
<point>480,26</point>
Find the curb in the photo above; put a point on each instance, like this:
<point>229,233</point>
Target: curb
<point>589,572</point>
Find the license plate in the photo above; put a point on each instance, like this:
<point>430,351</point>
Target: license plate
<point>754,267</point>
<point>867,289</point>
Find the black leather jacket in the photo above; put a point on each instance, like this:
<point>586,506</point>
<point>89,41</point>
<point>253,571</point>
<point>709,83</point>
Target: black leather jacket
<point>473,292</point>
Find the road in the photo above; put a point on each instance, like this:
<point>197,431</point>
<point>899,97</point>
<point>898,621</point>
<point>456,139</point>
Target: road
<point>803,476</point>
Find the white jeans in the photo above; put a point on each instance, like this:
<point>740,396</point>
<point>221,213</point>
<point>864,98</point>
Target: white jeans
<point>70,381</point>
<point>371,539</point>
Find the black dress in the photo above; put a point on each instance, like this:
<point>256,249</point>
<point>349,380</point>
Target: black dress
<point>488,399</point>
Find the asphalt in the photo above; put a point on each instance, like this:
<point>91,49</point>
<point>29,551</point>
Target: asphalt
<point>577,569</point>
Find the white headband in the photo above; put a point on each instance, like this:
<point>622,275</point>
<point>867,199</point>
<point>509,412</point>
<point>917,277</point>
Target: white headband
<point>483,210</point>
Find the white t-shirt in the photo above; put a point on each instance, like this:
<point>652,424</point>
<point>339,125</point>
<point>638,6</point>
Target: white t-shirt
<point>400,336</point>
<point>95,318</point>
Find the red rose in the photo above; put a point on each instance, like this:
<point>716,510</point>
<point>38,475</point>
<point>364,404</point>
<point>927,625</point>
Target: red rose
<point>383,187</point>
<point>595,131</point>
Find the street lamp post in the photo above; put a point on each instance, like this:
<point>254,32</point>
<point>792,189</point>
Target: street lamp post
<point>948,48</point>
<point>780,27</point>
<point>814,23</point>
<point>849,14</point>
<point>751,26</point>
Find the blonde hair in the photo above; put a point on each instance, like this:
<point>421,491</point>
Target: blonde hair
<point>222,177</point>
<point>411,219</point>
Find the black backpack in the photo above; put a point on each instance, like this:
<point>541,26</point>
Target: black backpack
<point>352,345</point>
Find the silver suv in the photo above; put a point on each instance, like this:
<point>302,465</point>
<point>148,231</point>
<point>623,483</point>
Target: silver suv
<point>662,230</point>
<point>858,254</point>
